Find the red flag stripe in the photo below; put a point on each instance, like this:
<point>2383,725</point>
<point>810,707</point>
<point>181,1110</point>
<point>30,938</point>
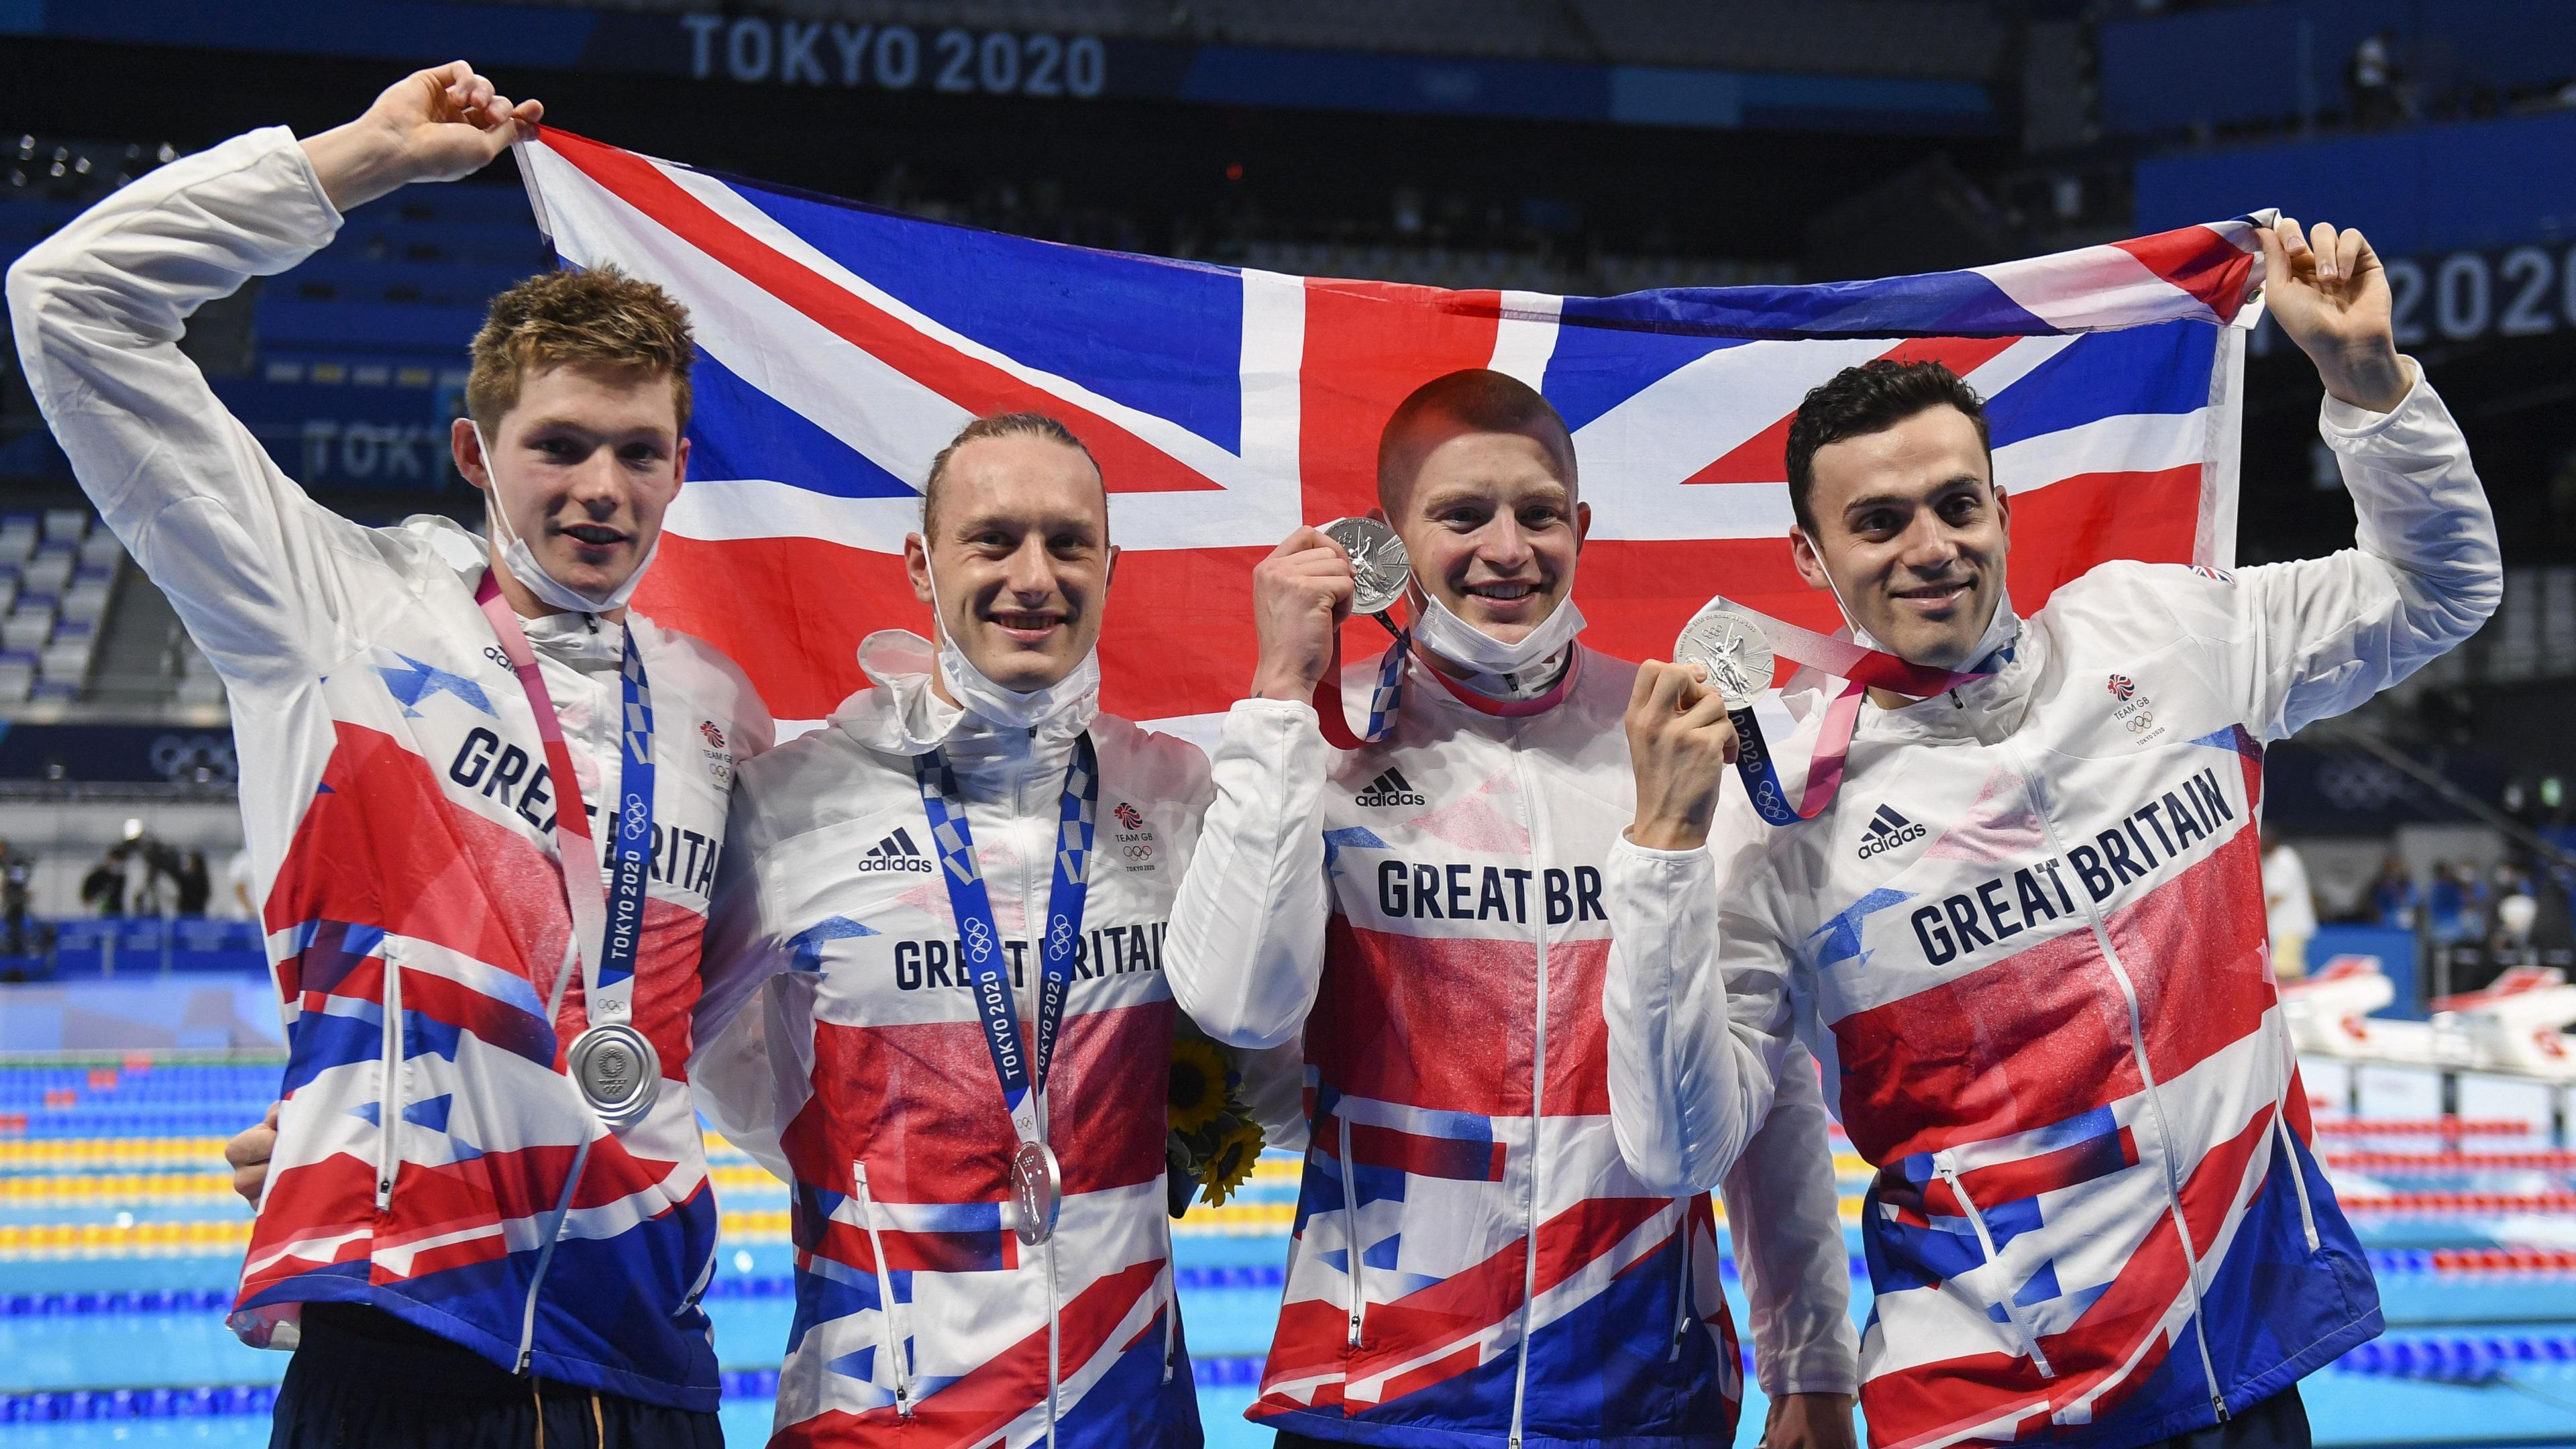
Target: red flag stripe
<point>1129,463</point>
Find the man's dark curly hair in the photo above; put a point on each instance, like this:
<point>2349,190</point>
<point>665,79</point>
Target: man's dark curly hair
<point>1871,398</point>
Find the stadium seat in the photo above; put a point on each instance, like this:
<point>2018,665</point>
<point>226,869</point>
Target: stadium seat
<point>86,600</point>
<point>29,627</point>
<point>49,572</point>
<point>67,525</point>
<point>67,658</point>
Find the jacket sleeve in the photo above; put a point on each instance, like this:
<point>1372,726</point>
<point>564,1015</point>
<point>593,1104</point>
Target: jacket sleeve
<point>1697,1008</point>
<point>751,1066</point>
<point>2312,639</point>
<point>1246,945</point>
<point>98,309</point>
<point>1783,1208</point>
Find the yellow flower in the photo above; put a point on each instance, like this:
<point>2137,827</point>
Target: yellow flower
<point>1230,1165</point>
<point>1197,1092</point>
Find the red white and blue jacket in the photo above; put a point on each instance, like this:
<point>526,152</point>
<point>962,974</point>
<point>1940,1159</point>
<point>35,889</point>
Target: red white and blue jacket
<point>846,1054</point>
<point>399,814</point>
<point>1473,1264</point>
<point>2027,940</point>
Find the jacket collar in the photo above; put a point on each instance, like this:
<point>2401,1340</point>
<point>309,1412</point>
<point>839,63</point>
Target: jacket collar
<point>564,638</point>
<point>900,714</point>
<point>1984,711</point>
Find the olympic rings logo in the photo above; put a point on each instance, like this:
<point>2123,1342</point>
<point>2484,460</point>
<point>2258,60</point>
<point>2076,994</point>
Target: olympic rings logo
<point>1060,936</point>
<point>979,940</point>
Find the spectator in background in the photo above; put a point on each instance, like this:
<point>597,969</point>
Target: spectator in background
<point>2396,901</point>
<point>2475,899</point>
<point>103,889</point>
<point>15,872</point>
<point>2289,908</point>
<point>2446,904</point>
<point>2370,80</point>
<point>146,862</point>
<point>193,885</point>
<point>239,898</point>
<point>2511,913</point>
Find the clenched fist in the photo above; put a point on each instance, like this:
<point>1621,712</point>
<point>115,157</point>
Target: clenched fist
<point>1300,596</point>
<point>247,1155</point>
<point>2330,294</point>
<point>1679,743</point>
<point>432,125</point>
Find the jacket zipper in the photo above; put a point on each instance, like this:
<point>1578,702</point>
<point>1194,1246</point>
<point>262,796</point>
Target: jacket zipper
<point>2147,1078</point>
<point>1538,1121</point>
<point>1171,1288</point>
<point>898,1361</point>
<point>1033,923</point>
<point>1985,1241</point>
<point>546,1256</point>
<point>706,1277</point>
<point>1351,1225</point>
<point>389,1103</point>
<point>1682,1292</point>
<point>581,1156</point>
<point>2298,1179</point>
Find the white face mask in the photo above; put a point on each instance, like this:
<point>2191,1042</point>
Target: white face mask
<point>522,562</point>
<point>1520,670</point>
<point>2002,629</point>
<point>1065,707</point>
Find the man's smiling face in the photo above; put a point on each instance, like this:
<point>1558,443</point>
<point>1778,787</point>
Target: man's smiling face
<point>1490,521</point>
<point>1911,533</point>
<point>588,460</point>
<point>1015,558</point>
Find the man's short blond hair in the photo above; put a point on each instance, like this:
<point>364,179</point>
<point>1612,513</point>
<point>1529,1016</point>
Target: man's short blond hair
<point>1474,399</point>
<point>1001,425</point>
<point>598,318</point>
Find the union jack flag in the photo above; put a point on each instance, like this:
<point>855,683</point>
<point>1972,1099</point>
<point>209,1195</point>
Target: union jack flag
<point>840,347</point>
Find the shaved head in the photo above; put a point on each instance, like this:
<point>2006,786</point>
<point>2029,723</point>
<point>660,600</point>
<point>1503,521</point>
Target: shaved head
<point>1472,400</point>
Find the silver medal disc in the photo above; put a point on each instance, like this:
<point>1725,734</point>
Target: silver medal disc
<point>1379,567</point>
<point>1732,648</point>
<point>616,1069</point>
<point>1037,1189</point>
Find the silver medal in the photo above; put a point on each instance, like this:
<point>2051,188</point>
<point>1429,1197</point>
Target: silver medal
<point>1037,1190</point>
<point>1732,648</point>
<point>616,1068</point>
<point>1379,567</point>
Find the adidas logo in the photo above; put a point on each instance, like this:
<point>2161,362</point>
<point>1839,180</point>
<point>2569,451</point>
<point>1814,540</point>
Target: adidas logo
<point>1887,830</point>
<point>1389,788</point>
<point>896,852</point>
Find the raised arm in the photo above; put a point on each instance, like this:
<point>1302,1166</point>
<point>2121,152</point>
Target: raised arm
<point>2316,638</point>
<point>1691,1070</point>
<point>1247,936</point>
<point>1246,946</point>
<point>98,309</point>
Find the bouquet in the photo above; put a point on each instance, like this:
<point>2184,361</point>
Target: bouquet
<point>1213,1140</point>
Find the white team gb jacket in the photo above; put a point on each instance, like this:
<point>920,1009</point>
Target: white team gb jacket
<point>399,816</point>
<point>1472,1260</point>
<point>2027,939</point>
<point>845,1052</point>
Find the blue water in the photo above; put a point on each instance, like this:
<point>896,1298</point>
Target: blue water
<point>54,1344</point>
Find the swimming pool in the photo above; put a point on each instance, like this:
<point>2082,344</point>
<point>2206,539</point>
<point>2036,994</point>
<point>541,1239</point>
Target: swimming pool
<point>120,1239</point>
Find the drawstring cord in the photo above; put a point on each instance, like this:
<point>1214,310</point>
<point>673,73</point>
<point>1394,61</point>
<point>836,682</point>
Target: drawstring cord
<point>598,1419</point>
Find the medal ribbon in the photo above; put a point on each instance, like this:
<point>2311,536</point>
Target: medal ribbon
<point>1020,1062</point>
<point>607,917</point>
<point>1862,669</point>
<point>1383,700</point>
